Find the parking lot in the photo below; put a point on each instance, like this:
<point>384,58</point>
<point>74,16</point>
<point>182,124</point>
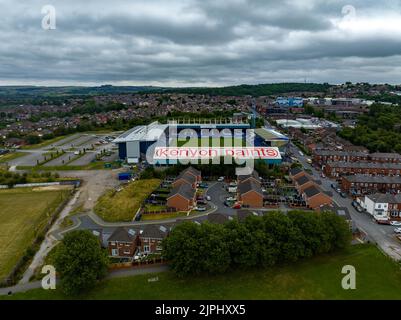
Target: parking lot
<point>71,145</point>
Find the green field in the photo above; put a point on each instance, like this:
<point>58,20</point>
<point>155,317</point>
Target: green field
<point>319,278</point>
<point>45,143</point>
<point>213,142</point>
<point>23,214</point>
<point>162,216</point>
<point>122,206</point>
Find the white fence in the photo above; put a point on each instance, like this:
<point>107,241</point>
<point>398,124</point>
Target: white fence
<point>38,184</point>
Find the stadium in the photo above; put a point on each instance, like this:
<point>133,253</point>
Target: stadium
<point>138,144</point>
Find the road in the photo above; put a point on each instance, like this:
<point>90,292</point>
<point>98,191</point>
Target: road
<point>383,235</point>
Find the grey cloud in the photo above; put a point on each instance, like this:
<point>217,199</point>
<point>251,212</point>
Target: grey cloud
<point>197,42</point>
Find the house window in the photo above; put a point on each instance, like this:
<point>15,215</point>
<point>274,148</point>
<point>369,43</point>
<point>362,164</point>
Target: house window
<point>114,252</point>
<point>146,249</point>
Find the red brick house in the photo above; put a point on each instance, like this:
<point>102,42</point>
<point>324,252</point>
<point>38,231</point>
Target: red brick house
<point>192,171</point>
<point>303,182</point>
<point>182,197</point>
<point>337,169</point>
<point>250,194</point>
<point>363,184</point>
<point>316,198</point>
<point>185,178</point>
<point>296,173</point>
<point>126,242</point>
<point>254,176</point>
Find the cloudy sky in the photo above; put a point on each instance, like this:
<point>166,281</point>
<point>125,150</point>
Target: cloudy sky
<point>200,42</point>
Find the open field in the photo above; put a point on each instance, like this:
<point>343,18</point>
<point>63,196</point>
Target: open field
<point>122,206</point>
<point>46,143</point>
<point>213,142</point>
<point>24,212</point>
<point>378,277</point>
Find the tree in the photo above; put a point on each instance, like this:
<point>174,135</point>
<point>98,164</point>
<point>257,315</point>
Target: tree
<point>80,261</point>
<point>249,245</point>
<point>195,249</point>
<point>338,233</point>
<point>286,236</point>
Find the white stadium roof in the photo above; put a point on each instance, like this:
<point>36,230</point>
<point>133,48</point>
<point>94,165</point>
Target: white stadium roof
<point>152,132</point>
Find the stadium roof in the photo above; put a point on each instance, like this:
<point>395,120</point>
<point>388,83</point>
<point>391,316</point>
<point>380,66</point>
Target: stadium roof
<point>151,132</point>
<point>270,134</point>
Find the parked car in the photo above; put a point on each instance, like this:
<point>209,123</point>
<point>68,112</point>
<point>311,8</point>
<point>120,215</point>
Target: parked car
<point>208,198</point>
<point>237,206</point>
<point>354,204</point>
<point>343,194</point>
<point>397,230</point>
<point>220,179</point>
<point>203,185</point>
<point>359,208</point>
<point>200,208</point>
<point>395,223</point>
<point>382,221</point>
<point>333,185</point>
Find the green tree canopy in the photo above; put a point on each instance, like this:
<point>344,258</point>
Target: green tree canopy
<point>80,261</point>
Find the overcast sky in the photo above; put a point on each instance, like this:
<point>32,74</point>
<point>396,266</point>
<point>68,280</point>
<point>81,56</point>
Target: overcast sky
<point>200,42</point>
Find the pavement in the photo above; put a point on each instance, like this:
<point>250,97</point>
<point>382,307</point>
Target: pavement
<point>49,242</point>
<point>146,269</point>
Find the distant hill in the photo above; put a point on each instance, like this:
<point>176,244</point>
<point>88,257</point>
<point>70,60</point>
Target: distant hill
<point>38,94</point>
<point>256,90</point>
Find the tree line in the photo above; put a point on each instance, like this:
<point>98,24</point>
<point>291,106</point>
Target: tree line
<point>272,239</point>
<point>379,130</point>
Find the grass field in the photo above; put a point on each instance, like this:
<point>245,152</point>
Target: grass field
<point>45,143</point>
<point>163,216</point>
<point>97,165</point>
<point>319,278</point>
<point>23,214</point>
<point>122,206</point>
<point>213,142</point>
<point>11,156</point>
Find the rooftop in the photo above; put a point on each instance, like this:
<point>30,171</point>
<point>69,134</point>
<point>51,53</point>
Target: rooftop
<point>151,132</point>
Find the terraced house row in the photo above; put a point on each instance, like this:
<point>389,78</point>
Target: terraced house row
<point>322,157</point>
<point>336,169</point>
<point>360,184</point>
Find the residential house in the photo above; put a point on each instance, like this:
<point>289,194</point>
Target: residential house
<point>126,242</point>
<point>254,176</point>
<point>194,172</point>
<point>185,178</point>
<point>182,197</point>
<point>316,197</point>
<point>382,205</point>
<point>337,169</point>
<point>250,194</point>
<point>303,182</point>
<point>364,184</point>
